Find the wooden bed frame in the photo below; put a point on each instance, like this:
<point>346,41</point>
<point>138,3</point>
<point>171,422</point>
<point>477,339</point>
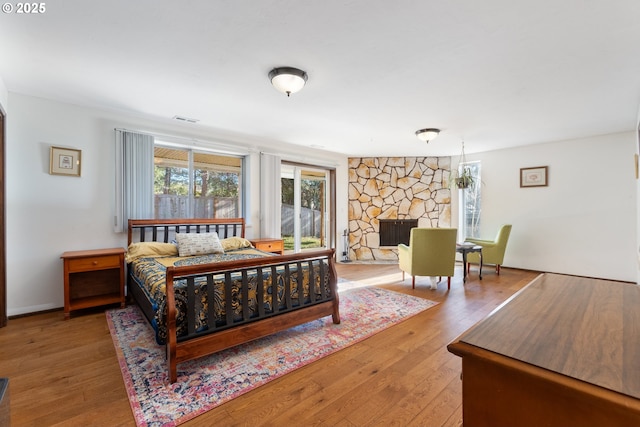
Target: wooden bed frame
<point>215,338</point>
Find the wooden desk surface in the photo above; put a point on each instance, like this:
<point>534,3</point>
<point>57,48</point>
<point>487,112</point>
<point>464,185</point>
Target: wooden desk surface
<point>587,329</point>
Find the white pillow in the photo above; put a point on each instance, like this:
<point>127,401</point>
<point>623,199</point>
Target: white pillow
<point>198,244</point>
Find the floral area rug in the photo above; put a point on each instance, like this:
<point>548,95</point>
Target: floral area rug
<point>209,381</point>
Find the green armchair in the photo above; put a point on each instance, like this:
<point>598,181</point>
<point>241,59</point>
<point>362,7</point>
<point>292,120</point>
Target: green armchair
<point>431,252</point>
<point>492,250</point>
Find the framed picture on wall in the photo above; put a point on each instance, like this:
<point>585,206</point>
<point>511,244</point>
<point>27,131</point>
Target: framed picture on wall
<point>64,161</point>
<point>534,177</point>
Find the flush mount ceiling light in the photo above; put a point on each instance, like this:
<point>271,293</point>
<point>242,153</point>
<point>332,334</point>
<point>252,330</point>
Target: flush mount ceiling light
<point>428,134</point>
<point>288,79</point>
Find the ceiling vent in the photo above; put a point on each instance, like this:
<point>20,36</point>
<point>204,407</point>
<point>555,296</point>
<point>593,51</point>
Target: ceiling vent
<point>185,119</point>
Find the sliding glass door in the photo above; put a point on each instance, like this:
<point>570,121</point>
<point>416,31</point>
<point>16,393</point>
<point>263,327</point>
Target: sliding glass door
<point>305,207</point>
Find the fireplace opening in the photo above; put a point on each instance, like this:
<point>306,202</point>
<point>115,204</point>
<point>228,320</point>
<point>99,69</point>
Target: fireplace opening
<point>396,231</point>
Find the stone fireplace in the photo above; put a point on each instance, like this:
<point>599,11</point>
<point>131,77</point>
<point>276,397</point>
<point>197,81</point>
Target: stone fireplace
<point>395,188</point>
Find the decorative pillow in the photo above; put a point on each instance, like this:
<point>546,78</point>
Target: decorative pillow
<point>231,243</point>
<point>147,249</point>
<point>198,244</point>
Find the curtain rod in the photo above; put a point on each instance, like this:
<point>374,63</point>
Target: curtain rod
<point>239,150</point>
<point>291,158</point>
<point>232,149</point>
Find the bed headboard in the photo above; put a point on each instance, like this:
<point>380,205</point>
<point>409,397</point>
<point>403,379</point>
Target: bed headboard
<point>164,230</point>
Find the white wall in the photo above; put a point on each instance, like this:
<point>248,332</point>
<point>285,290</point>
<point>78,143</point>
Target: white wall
<point>48,215</point>
<point>4,95</point>
<point>637,153</point>
<point>584,223</point>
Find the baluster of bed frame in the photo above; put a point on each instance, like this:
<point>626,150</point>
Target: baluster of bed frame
<point>211,297</point>
<point>191,306</point>
<point>245,296</point>
<point>142,233</point>
<point>166,234</point>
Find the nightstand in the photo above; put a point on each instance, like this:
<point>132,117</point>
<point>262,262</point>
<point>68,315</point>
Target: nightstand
<point>269,245</point>
<point>93,278</point>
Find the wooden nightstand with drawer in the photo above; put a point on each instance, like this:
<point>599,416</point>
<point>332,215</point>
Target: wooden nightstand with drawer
<point>269,245</point>
<point>93,278</point>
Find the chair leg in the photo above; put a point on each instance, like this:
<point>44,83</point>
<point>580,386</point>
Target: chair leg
<point>413,282</point>
<point>403,275</point>
<point>449,282</point>
<point>498,269</point>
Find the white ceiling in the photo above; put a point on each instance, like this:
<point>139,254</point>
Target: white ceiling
<point>496,73</point>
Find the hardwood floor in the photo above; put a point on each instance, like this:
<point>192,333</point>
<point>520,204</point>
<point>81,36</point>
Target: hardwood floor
<point>65,373</point>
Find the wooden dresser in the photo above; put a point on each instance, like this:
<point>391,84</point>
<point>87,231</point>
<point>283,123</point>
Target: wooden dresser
<point>564,351</point>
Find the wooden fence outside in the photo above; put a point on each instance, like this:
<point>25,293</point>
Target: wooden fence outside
<point>172,206</point>
<point>310,221</point>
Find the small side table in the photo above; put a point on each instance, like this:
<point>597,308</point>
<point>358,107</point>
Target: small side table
<point>269,245</point>
<point>93,278</point>
<point>467,248</point>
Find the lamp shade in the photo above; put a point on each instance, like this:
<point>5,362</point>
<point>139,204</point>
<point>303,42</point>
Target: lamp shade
<point>287,79</point>
<point>427,134</point>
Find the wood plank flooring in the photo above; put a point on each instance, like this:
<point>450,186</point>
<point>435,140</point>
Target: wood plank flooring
<point>65,373</point>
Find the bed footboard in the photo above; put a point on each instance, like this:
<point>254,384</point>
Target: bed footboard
<point>279,278</point>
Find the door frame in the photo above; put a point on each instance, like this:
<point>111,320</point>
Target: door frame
<point>3,245</point>
<point>328,224</point>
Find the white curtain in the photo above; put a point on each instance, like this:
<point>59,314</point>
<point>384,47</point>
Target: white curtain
<point>134,178</point>
<point>270,196</point>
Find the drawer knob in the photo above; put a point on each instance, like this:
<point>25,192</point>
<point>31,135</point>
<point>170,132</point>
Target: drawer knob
<point>95,262</point>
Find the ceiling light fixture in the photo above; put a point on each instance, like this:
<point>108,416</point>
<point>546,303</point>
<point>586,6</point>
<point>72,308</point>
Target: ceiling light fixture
<point>428,134</point>
<point>288,79</point>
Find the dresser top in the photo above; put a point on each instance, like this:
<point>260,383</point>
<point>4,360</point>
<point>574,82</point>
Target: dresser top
<point>587,329</point>
<point>92,252</point>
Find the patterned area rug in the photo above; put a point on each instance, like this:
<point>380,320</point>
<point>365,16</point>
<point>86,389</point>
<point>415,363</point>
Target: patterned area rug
<point>210,381</point>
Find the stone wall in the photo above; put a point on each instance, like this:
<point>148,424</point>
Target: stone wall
<point>395,188</point>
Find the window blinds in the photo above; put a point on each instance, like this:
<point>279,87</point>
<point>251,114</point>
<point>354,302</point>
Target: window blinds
<point>134,178</point>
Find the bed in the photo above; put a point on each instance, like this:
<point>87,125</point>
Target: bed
<point>200,303</point>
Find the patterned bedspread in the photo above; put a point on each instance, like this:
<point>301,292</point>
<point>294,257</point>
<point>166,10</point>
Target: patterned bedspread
<point>150,273</point>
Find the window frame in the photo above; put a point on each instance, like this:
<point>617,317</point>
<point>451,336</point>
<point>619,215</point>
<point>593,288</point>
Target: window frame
<point>476,187</point>
<point>191,151</point>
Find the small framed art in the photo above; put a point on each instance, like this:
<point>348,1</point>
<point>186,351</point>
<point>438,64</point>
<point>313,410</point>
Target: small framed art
<point>534,177</point>
<point>64,161</point>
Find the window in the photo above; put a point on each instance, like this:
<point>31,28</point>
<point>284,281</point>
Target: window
<point>196,184</point>
<point>470,203</point>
